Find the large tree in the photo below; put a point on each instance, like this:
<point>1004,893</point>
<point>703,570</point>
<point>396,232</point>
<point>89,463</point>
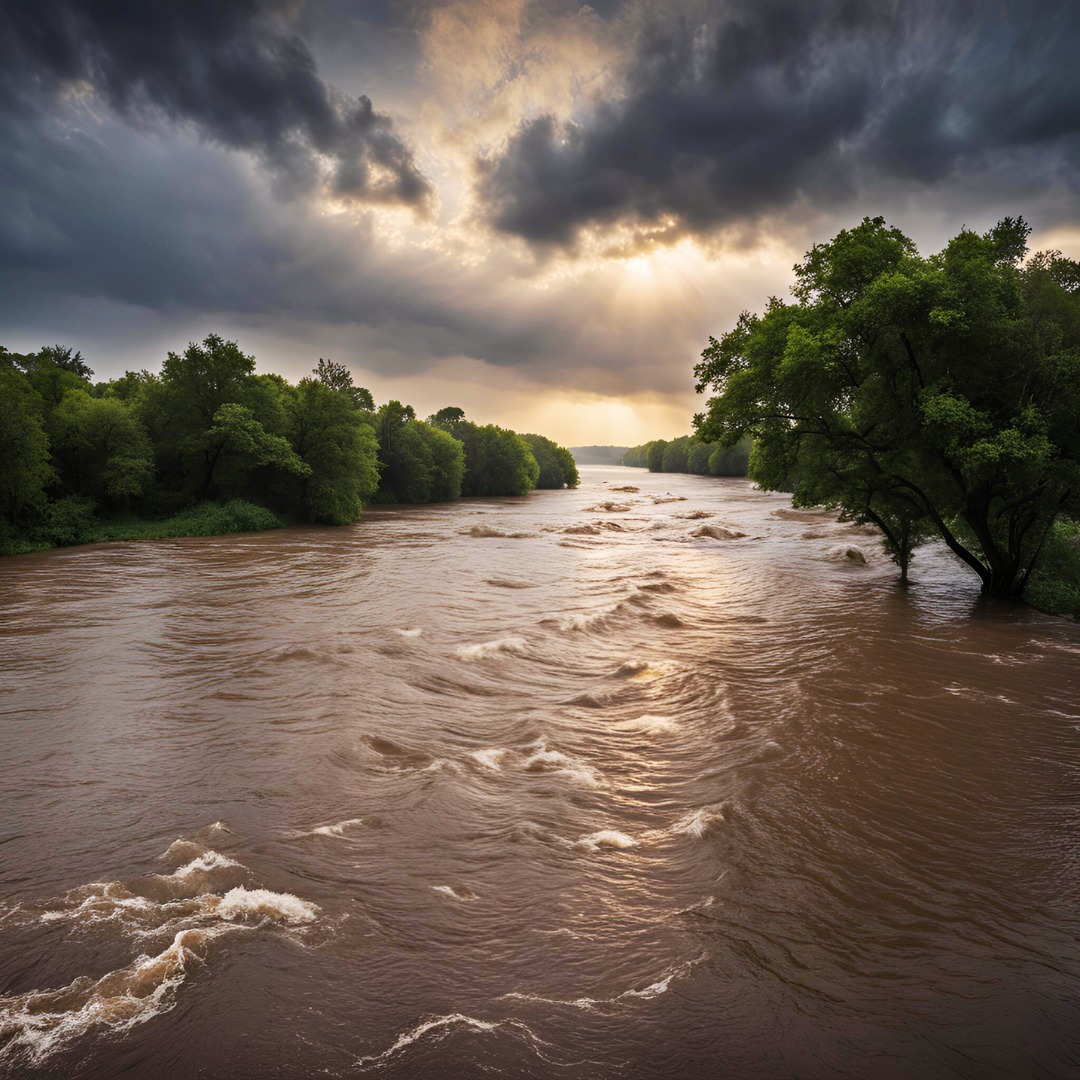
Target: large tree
<point>925,395</point>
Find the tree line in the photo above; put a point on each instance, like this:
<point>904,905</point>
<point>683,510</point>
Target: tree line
<point>212,446</point>
<point>928,396</point>
<point>689,454</point>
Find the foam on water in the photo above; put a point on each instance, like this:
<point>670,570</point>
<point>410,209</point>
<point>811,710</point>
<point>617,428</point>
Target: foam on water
<point>203,864</point>
<point>543,759</point>
<point>698,822</point>
<point>484,650</point>
<point>606,838</point>
<point>591,1004</point>
<point>490,757</point>
<point>482,531</point>
<point>408,631</point>
<point>455,892</point>
<point>37,1024</point>
<point>337,829</point>
<point>440,1024</point>
<point>649,724</point>
<point>242,904</point>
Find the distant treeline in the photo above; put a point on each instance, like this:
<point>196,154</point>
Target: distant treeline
<point>208,446</point>
<point>689,454</point>
<point>598,455</point>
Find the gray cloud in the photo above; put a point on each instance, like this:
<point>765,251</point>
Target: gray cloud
<point>744,108</point>
<point>233,71</point>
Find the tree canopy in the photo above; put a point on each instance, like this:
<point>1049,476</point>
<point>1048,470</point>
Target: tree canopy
<point>211,445</point>
<point>926,395</point>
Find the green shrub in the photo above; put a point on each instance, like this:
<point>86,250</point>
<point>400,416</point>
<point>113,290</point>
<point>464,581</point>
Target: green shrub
<point>67,521</point>
<point>1054,585</point>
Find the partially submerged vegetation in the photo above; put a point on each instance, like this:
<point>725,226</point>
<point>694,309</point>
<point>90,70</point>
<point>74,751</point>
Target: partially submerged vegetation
<point>926,396</point>
<point>208,446</point>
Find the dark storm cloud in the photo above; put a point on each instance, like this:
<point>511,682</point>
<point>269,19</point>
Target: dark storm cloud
<point>233,71</point>
<point>750,106</point>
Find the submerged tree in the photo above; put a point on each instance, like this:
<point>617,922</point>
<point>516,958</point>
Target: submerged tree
<point>924,395</point>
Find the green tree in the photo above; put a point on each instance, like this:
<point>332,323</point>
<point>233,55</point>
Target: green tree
<point>654,455</point>
<point>100,448</point>
<point>448,418</point>
<point>557,466</point>
<point>330,436</point>
<point>25,471</point>
<point>497,461</point>
<point>336,376</point>
<point>920,394</point>
<point>676,454</point>
<point>202,451</point>
<point>447,463</point>
<point>698,460</point>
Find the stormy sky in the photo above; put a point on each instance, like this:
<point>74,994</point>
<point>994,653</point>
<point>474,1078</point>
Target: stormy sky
<point>538,211</point>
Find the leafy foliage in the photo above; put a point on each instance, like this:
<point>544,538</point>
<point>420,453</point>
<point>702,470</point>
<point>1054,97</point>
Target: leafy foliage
<point>209,446</point>
<point>690,455</point>
<point>931,395</point>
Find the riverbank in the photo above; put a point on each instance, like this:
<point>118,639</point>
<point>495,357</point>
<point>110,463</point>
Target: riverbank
<point>72,523</point>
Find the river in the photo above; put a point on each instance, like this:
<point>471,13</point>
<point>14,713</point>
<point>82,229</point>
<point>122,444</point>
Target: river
<point>654,778</point>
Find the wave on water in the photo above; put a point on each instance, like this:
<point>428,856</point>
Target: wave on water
<point>717,532</point>
<point>698,822</point>
<point>439,1027</point>
<point>591,1004</point>
<point>543,759</point>
<point>490,757</point>
<point>503,583</point>
<point>456,892</point>
<point>484,650</point>
<point>187,906</point>
<point>397,757</point>
<point>39,1023</point>
<point>337,829</point>
<point>847,553</point>
<point>408,631</point>
<point>608,508</point>
<point>648,724</point>
<point>484,531</point>
<point>606,838</point>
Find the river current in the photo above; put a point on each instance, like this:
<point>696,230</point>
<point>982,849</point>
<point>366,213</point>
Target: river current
<point>654,778</point>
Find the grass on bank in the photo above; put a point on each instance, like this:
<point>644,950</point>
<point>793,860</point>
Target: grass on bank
<point>72,521</point>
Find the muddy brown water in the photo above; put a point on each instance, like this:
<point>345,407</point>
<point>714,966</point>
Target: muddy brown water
<point>567,786</point>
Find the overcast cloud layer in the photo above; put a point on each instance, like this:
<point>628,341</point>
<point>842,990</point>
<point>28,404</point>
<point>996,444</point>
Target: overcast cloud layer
<point>536,210</point>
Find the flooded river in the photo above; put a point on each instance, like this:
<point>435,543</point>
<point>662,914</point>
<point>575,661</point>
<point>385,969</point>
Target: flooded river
<point>655,778</point>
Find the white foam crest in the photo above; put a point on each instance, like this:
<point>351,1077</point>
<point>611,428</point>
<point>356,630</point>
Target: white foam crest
<point>438,1023</point>
<point>241,903</point>
<point>649,724</point>
<point>606,838</point>
<point>663,984</point>
<point>462,893</point>
<point>104,908</point>
<point>337,829</point>
<point>181,848</point>
<point>587,1003</point>
<point>490,757</point>
<point>40,1022</point>
<point>698,822</point>
<point>210,860</point>
<point>409,631</point>
<point>590,1004</point>
<point>544,759</point>
<point>512,643</point>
